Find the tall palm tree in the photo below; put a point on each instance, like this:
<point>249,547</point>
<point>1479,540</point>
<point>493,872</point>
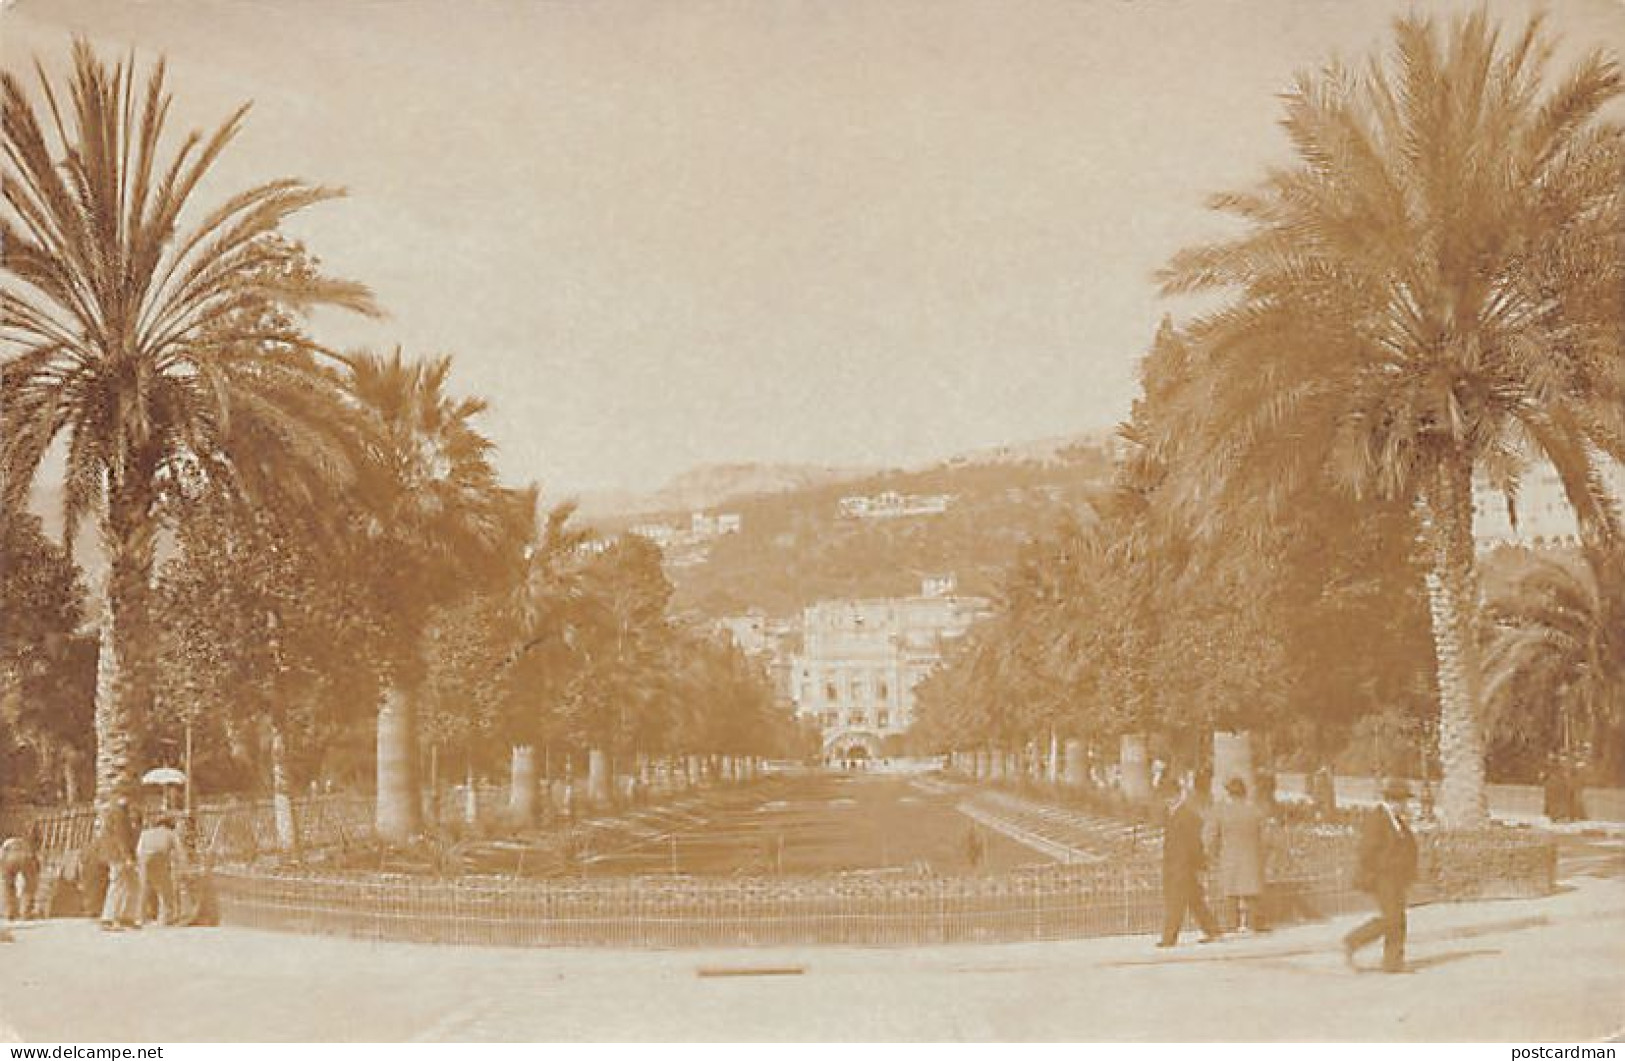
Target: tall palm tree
<point>436,517</point>
<point>145,342</point>
<point>1428,294</point>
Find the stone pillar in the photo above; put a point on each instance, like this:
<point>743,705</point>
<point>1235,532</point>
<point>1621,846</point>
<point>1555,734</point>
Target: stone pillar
<point>1134,767</point>
<point>1052,766</point>
<point>522,785</point>
<point>1233,758</point>
<point>1077,765</point>
<point>597,778</point>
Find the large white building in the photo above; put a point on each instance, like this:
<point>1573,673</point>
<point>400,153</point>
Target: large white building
<point>861,659</point>
<point>1544,517</point>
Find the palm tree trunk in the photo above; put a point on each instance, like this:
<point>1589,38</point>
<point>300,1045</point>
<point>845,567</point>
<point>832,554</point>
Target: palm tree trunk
<point>522,785</point>
<point>1232,760</point>
<point>1076,774</point>
<point>398,814</point>
<point>128,536</point>
<point>1134,767</point>
<point>70,777</point>
<point>115,768</point>
<point>434,786</point>
<point>287,826</point>
<point>598,779</point>
<point>1453,603</point>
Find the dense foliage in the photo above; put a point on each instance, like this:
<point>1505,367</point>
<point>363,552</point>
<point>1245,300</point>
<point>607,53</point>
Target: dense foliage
<point>1431,292</point>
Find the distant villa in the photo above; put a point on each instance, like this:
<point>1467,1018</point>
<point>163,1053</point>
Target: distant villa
<point>891,505</point>
<point>702,527</point>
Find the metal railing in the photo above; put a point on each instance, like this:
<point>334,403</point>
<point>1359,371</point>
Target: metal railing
<point>1309,872</point>
<point>1310,879</point>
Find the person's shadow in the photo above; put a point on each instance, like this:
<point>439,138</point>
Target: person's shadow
<point>1417,965</point>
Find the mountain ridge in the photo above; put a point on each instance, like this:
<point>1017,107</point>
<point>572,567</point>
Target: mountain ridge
<point>707,486</point>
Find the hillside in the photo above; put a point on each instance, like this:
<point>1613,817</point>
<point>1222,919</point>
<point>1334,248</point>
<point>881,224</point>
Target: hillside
<point>713,485</point>
<point>797,546</point>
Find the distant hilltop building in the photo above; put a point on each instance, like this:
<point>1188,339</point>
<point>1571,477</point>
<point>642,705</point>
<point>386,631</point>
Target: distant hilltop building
<point>701,525</point>
<point>661,534</point>
<point>892,505</point>
<point>594,547</point>
<point>860,661</point>
<point>1544,518</point>
<point>686,546</point>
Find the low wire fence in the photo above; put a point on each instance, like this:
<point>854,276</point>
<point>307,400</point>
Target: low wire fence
<point>1310,877</point>
<point>231,833</point>
<point>1311,881</point>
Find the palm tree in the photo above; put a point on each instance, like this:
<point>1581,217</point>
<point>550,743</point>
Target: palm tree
<point>436,518</point>
<point>1428,294</point>
<point>1555,666</point>
<point>142,342</point>
<point>500,661</point>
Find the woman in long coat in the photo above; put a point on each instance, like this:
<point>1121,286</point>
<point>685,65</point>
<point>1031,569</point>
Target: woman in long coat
<point>1236,830</point>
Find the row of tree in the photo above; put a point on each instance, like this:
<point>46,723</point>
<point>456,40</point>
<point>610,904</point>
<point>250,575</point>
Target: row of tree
<point>1433,293</point>
<point>298,542</point>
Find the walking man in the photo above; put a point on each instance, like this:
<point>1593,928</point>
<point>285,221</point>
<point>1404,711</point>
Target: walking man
<point>1386,868</point>
<point>1183,860</point>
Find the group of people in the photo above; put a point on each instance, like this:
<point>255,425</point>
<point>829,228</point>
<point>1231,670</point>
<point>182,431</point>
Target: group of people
<point>143,859</point>
<point>20,873</point>
<point>1234,832</point>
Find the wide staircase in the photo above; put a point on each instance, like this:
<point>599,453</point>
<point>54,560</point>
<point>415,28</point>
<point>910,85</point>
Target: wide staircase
<point>1065,834</point>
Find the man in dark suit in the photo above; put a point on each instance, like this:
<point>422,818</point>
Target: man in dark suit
<point>1386,868</point>
<point>1183,861</point>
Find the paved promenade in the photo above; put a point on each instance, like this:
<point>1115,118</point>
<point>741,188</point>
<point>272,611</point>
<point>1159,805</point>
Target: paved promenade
<point>1549,969</point>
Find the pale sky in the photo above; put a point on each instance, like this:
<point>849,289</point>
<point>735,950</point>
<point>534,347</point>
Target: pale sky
<point>664,233</point>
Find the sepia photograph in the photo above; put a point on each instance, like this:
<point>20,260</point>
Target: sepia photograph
<point>812,521</point>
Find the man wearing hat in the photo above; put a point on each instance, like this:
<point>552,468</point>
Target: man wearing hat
<point>1183,860</point>
<point>1386,868</point>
